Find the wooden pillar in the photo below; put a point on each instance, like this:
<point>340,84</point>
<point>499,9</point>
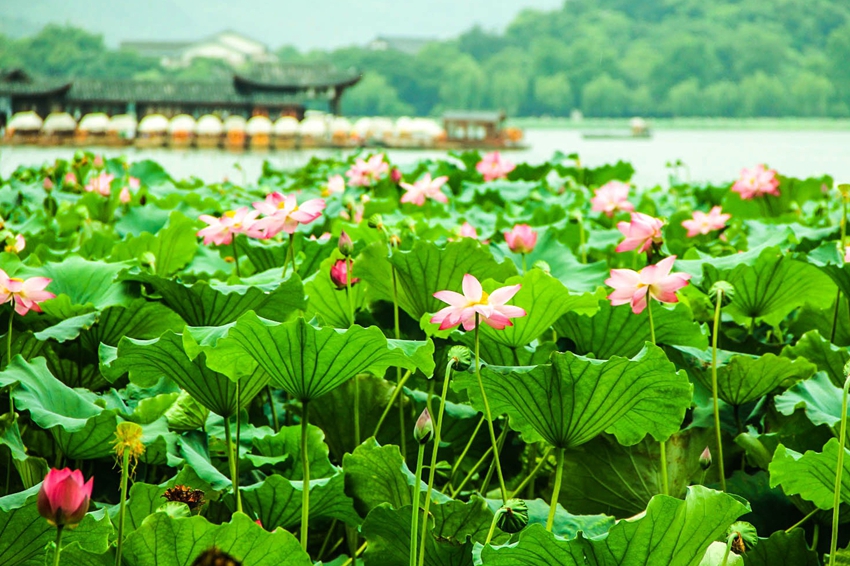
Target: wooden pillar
<point>335,103</point>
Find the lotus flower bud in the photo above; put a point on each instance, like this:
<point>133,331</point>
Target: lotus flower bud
<point>70,178</point>
<point>125,197</point>
<point>376,221</point>
<point>424,428</point>
<point>705,459</point>
<point>98,161</point>
<point>512,517</point>
<point>461,357</point>
<point>48,184</point>
<point>64,497</point>
<point>339,274</point>
<point>521,239</point>
<point>345,245</point>
<point>395,175</point>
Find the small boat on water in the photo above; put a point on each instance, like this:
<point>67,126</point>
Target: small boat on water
<point>459,130</point>
<point>638,129</point>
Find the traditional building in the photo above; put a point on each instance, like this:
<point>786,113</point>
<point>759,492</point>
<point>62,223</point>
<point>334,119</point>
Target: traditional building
<point>228,46</point>
<point>268,90</point>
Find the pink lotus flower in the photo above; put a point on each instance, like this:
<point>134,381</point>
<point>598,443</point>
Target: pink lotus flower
<point>756,182</point>
<point>492,166</point>
<point>283,213</point>
<point>134,183</point>
<point>703,223</point>
<point>70,179</point>
<point>467,230</point>
<point>491,308</point>
<point>24,295</point>
<point>611,198</point>
<point>48,184</point>
<point>64,497</point>
<point>220,231</point>
<point>424,188</point>
<point>521,239</point>
<point>17,245</point>
<point>366,173</point>
<point>847,254</point>
<point>640,233</point>
<point>125,197</point>
<point>100,184</point>
<point>97,162</point>
<point>336,185</point>
<point>654,281</point>
<point>339,274</point>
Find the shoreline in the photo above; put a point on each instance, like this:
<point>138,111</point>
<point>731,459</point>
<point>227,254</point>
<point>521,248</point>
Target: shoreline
<point>777,124</point>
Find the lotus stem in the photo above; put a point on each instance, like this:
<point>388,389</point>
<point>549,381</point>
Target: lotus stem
<point>803,520</point>
<point>58,542</point>
<point>839,469</point>
<point>292,252</point>
<point>397,328</point>
<point>492,528</point>
<point>236,451</point>
<point>463,453</point>
<point>835,316</point>
<point>714,337</point>
<point>9,340</point>
<point>414,512</point>
<point>391,402</point>
<point>230,462</point>
<point>275,420</point>
<point>662,445</point>
<point>488,414</point>
<point>500,443</point>
<point>125,473</point>
<point>524,268</point>
<point>556,490</point>
<point>533,472</point>
<point>471,472</point>
<point>305,491</point>
<point>235,256</point>
<point>729,540</point>
<point>581,240</point>
<point>432,472</point>
<point>350,298</point>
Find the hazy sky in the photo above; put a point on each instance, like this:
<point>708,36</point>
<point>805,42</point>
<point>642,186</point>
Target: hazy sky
<point>306,24</point>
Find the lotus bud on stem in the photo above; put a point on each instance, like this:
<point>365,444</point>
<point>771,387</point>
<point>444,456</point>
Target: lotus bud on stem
<point>423,431</point>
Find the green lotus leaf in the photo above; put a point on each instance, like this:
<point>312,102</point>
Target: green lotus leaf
<point>674,532</point>
<point>456,526</point>
<point>68,329</point>
<point>147,361</point>
<point>818,397</point>
<point>285,446</point>
<point>606,477</point>
<point>167,541</point>
<point>308,362</point>
<point>818,350</point>
<point>811,475</point>
<point>618,331</point>
<point>426,269</point>
<point>214,304</point>
<point>276,501</point>
<point>173,246</point>
<point>782,548</point>
<point>745,378</point>
<point>376,475</point>
<point>326,302</point>
<point>194,450</point>
<point>25,534</point>
<point>574,399</point>
<point>566,524</point>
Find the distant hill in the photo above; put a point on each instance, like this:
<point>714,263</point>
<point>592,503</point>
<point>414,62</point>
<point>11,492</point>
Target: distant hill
<point>615,58</point>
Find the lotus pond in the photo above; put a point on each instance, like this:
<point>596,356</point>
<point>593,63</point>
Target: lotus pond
<point>459,362</point>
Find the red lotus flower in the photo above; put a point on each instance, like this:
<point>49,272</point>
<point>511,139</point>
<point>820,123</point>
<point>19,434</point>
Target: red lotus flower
<point>339,274</point>
<point>64,497</point>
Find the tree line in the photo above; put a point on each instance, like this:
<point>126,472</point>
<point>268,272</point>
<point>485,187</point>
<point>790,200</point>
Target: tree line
<point>607,58</point>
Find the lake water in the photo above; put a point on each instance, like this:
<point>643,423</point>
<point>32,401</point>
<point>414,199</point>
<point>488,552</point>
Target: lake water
<point>709,155</point>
